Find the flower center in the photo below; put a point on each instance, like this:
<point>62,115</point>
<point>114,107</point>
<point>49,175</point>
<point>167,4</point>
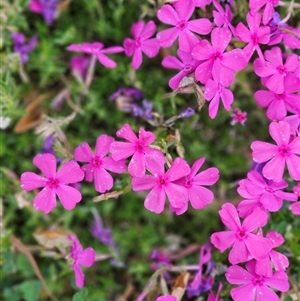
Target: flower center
<point>269,189</point>
<point>138,42</point>
<point>162,181</point>
<point>281,70</point>
<point>187,68</point>
<point>241,234</point>
<point>139,148</point>
<point>188,183</point>
<point>53,183</point>
<point>217,55</point>
<point>259,281</point>
<point>280,96</point>
<point>182,25</point>
<point>284,150</point>
<point>254,39</point>
<point>220,88</point>
<point>96,162</point>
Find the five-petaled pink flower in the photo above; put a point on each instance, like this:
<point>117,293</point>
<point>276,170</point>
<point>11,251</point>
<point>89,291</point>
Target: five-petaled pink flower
<point>212,54</point>
<point>179,16</point>
<point>245,244</point>
<point>279,104</point>
<point>254,36</point>
<point>273,71</point>
<point>137,147</point>
<point>98,163</point>
<point>187,64</point>
<point>222,18</point>
<point>253,286</point>
<point>269,194</point>
<point>162,183</point>
<point>275,259</point>
<point>216,88</point>
<point>96,49</point>
<point>238,116</point>
<point>80,258</point>
<point>142,43</point>
<point>278,155</point>
<point>54,183</point>
<point>199,196</point>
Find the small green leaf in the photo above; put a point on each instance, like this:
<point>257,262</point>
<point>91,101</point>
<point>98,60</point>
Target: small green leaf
<point>80,296</point>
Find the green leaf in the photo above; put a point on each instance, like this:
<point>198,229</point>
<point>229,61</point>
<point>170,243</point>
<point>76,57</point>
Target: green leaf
<point>31,290</point>
<point>80,296</point>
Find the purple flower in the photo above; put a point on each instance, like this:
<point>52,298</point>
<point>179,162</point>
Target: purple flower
<point>79,65</point>
<point>144,111</point>
<point>47,8</point>
<point>21,47</point>
<point>99,232</point>
<point>187,113</point>
<point>133,93</point>
<point>80,258</point>
<point>179,16</point>
<point>142,43</point>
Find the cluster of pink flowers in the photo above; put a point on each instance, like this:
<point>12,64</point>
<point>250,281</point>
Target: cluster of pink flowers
<point>204,50</point>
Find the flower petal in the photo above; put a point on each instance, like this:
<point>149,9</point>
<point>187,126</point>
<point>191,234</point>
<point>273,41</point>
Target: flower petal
<point>103,143</point>
<point>258,246</point>
<point>168,15</point>
<point>70,172</point>
<point>273,170</point>
<point>68,196</point>
<point>200,196</point>
<point>263,151</point>
<point>223,240</point>
<point>177,195</point>
<point>83,153</point>
<point>46,163</point>
<point>239,253</point>
<point>31,181</point>
<point>155,200</point>
<point>103,180</point>
<point>79,276</point>
<point>45,200</point>
<point>167,37</point>
<point>86,257</point>
<point>238,275</point>
<point>106,61</point>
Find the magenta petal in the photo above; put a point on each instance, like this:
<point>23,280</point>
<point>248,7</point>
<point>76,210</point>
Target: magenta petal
<point>223,240</point>
<point>264,98</point>
<point>167,37</point>
<point>246,207</point>
<point>263,267</point>
<point>295,208</point>
<point>227,99</point>
<point>103,143</point>
<point>115,166</point>
<point>45,200</point>
<point>295,145</point>
<point>264,293</point>
<point>207,177</point>
<point>155,162</point>
<point>168,15</point>
<point>121,150</point>
<point>202,51</point>
<point>280,132</point>
<point>229,217</point>
<point>238,275</point>
<point>273,170</point>
<point>234,59</point>
<point>137,165</point>
<point>211,89</point>
<point>177,195</point>
<point>187,40</point>
<point>263,151</point>
<point>201,26</point>
<point>244,293</point>
<point>127,133</point>
<point>83,153</point>
<point>137,59</point>
<point>279,281</point>
<point>79,276</point>
<point>146,137</point>
<point>220,38</point>
<point>293,165</point>
<point>214,106</point>
<point>103,180</point>
<point>258,246</point>
<point>86,257</point>
<point>200,196</point>
<point>149,30</point>
<point>243,32</point>
<point>172,62</point>
<point>150,47</point>
<point>270,202</point>
<point>184,8</point>
<point>46,163</point>
<point>178,169</point>
<point>143,183</point>
<point>276,83</point>
<point>68,196</point>
<point>31,181</point>
<point>155,200</point>
<point>196,166</point>
<point>258,218</point>
<point>175,81</point>
<point>279,260</point>
<point>70,172</point>
<point>239,253</point>
<point>113,49</point>
<point>106,61</point>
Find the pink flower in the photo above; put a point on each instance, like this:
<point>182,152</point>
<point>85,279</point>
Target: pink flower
<point>198,195</point>
<point>222,18</point>
<point>137,147</point>
<point>278,155</point>
<point>79,65</point>
<point>295,208</point>
<point>273,70</point>
<point>253,286</point>
<point>48,8</point>
<point>279,104</point>
<point>96,49</point>
<point>256,5</point>
<point>215,89</point>
<point>98,163</point>
<point>279,261</point>
<point>238,117</point>
<point>269,194</point>
<point>54,183</point>
<point>81,257</point>
<point>294,122</point>
<point>187,64</point>
<point>202,3</point>
<point>179,17</point>
<point>254,36</point>
<point>213,55</point>
<point>162,183</point>
<point>141,42</point>
<point>166,298</point>
<point>245,244</point>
